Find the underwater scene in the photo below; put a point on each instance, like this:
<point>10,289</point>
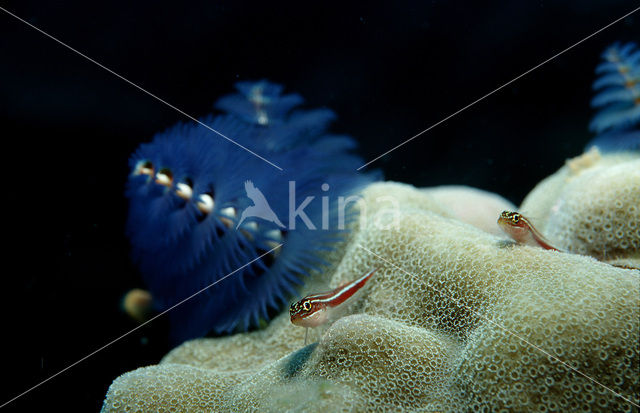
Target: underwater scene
<point>404,206</point>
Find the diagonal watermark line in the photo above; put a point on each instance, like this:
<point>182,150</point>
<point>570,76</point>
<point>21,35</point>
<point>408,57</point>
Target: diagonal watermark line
<point>476,313</point>
<point>501,87</point>
<point>140,88</point>
<point>138,327</point>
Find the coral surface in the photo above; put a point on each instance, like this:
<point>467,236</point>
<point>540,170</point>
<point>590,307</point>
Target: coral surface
<point>455,318</point>
<point>591,207</point>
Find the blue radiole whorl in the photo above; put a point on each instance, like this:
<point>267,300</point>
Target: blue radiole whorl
<point>617,99</point>
<point>201,207</point>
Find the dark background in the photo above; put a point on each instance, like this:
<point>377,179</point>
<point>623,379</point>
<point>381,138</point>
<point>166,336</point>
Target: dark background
<point>389,70</point>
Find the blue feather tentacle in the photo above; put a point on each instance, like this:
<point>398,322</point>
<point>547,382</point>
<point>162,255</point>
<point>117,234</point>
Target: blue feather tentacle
<point>618,99</point>
<point>188,193</point>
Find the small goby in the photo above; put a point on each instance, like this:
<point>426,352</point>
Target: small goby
<point>522,230</point>
<point>311,311</point>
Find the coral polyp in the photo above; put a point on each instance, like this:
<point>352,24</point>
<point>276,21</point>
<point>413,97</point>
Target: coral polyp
<point>188,189</point>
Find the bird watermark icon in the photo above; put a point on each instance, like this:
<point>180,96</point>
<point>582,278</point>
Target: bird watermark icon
<point>260,207</point>
<point>330,211</point>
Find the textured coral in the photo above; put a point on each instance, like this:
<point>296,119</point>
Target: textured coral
<point>473,206</point>
<point>455,319</point>
<point>591,207</point>
<point>169,388</point>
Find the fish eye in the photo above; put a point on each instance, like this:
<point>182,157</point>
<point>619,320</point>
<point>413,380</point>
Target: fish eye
<point>515,218</point>
<point>306,305</point>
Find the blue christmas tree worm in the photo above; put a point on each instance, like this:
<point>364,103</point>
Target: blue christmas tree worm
<point>187,192</point>
<point>617,99</point>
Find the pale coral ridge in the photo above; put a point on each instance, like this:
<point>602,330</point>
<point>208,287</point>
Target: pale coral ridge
<point>594,210</point>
